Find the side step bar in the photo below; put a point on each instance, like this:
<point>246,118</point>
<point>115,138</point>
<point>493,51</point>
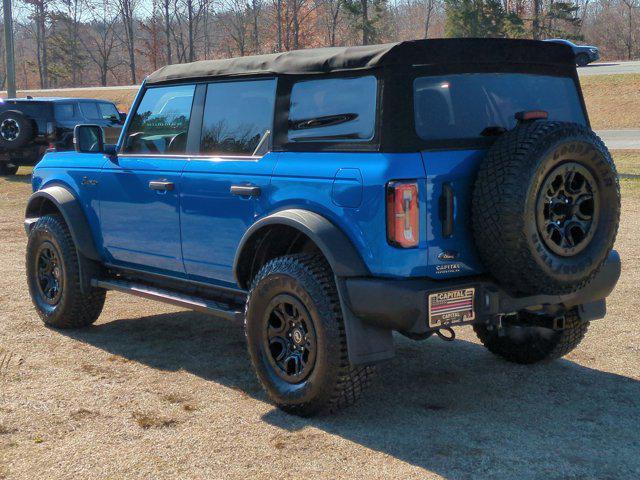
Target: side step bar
<point>174,298</point>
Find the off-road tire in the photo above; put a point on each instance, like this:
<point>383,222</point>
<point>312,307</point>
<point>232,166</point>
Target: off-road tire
<point>505,206</point>
<point>74,309</point>
<point>333,383</point>
<point>8,168</point>
<point>533,344</point>
<point>25,130</point>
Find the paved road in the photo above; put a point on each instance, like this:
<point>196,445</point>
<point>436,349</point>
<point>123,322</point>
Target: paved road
<point>621,139</point>
<point>609,68</point>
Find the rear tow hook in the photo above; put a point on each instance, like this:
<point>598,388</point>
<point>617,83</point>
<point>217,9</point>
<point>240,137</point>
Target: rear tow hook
<point>450,336</point>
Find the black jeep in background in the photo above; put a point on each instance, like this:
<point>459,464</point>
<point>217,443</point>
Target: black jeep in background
<point>30,126</point>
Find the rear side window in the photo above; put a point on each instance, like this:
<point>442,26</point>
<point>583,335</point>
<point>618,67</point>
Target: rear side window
<point>90,110</point>
<point>467,106</point>
<point>66,111</point>
<point>333,109</point>
<point>237,116</point>
<point>161,122</point>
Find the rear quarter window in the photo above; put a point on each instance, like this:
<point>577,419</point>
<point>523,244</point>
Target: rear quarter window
<point>333,109</point>
<point>463,106</point>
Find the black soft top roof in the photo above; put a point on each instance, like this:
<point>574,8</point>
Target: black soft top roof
<point>466,51</point>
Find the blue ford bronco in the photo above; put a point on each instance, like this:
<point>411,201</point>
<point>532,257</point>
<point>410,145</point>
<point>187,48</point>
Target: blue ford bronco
<point>331,197</point>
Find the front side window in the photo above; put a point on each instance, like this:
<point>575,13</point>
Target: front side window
<point>108,111</point>
<point>333,109</point>
<point>238,116</point>
<point>161,121</point>
<point>476,105</point>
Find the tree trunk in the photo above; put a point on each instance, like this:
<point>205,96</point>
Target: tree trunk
<point>279,22</point>
<point>535,25</point>
<point>365,22</point>
<point>256,39</point>
<point>192,54</point>
<point>167,30</point>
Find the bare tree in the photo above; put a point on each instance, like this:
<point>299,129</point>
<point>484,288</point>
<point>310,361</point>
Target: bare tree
<point>330,18</point>
<point>40,14</point>
<point>102,40</point>
<point>126,10</point>
<point>631,36</point>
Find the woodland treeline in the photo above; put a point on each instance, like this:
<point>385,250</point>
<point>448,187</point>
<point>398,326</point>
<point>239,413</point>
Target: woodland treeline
<point>72,43</point>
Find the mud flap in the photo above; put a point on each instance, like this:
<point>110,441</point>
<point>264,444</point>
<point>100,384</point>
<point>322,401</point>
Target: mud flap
<point>366,343</point>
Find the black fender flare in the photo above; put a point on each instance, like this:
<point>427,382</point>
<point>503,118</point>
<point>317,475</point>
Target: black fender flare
<point>339,251</point>
<point>69,206</point>
<point>366,344</point>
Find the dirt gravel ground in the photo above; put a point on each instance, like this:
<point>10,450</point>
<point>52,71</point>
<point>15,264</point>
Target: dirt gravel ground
<point>157,393</point>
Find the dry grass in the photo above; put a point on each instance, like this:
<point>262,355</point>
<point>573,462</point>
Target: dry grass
<point>613,101</point>
<point>154,392</point>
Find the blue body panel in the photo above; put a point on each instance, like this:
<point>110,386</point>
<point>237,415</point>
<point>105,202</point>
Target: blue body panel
<point>459,169</point>
<point>214,220</point>
<point>69,169</point>
<point>193,230</point>
<point>141,226</point>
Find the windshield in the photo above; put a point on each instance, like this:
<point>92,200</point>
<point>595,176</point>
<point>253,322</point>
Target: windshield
<point>468,106</point>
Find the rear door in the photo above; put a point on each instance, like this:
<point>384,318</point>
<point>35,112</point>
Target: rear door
<point>140,188</point>
<point>224,187</point>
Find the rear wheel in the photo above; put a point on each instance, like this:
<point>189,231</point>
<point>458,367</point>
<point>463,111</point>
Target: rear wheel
<point>8,168</point>
<point>522,343</point>
<point>53,276</point>
<point>296,338</point>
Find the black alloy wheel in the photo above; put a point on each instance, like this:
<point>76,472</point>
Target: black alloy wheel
<point>49,270</point>
<point>291,338</point>
<point>567,209</point>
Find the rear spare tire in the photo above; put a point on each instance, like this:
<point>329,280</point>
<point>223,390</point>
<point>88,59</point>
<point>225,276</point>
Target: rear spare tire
<point>15,130</point>
<point>546,207</point>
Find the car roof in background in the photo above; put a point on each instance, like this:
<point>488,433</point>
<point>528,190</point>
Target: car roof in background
<point>460,51</point>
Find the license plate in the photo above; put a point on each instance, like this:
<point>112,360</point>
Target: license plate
<point>451,307</point>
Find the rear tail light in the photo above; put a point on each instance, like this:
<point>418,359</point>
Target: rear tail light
<point>403,220</point>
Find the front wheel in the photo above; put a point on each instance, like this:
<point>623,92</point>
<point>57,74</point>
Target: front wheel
<point>526,344</point>
<point>296,338</point>
<point>582,60</point>
<point>53,275</point>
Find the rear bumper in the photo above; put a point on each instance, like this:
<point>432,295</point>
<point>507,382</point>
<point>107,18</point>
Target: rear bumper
<point>402,304</point>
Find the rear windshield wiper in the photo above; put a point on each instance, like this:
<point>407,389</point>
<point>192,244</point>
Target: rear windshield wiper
<point>324,121</point>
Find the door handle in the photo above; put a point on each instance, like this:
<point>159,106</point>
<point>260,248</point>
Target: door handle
<point>245,190</point>
<point>161,185</point>
<point>447,209</point>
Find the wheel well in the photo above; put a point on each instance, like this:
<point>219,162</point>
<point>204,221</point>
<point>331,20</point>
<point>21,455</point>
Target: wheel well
<point>268,243</point>
<point>41,206</point>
